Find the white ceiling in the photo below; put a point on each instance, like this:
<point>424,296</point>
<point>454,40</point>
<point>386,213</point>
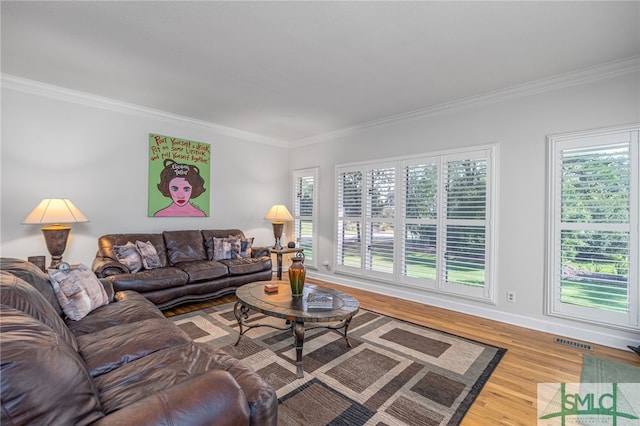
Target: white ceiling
<point>292,71</point>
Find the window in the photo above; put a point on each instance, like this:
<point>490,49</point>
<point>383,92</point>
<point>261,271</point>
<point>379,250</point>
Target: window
<point>421,221</point>
<point>593,227</point>
<point>304,212</point>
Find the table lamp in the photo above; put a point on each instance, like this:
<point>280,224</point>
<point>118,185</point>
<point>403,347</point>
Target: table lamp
<point>278,215</point>
<point>54,212</point>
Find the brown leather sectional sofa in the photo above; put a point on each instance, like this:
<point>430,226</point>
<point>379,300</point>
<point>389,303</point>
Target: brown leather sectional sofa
<point>187,272</point>
<point>122,364</point>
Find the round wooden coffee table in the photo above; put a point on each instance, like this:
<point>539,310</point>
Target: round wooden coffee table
<point>294,310</point>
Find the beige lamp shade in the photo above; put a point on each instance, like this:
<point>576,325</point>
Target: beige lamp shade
<point>54,212</point>
<point>279,214</point>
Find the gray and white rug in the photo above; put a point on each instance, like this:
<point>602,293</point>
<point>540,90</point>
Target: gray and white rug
<point>396,373</point>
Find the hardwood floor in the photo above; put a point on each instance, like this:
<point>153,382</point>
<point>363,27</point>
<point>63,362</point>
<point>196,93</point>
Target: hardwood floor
<point>509,397</point>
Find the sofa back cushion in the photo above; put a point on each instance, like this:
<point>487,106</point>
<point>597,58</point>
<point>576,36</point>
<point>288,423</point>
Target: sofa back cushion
<point>221,233</point>
<point>44,380</point>
<point>17,294</point>
<point>108,241</point>
<point>184,246</point>
<point>32,275</point>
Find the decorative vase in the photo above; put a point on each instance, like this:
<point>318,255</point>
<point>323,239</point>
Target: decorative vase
<point>297,274</point>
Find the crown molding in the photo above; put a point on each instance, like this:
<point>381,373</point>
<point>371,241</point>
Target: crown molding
<point>576,78</point>
<point>584,76</point>
<point>38,88</point>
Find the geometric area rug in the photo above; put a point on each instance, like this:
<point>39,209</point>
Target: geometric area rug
<point>396,373</point>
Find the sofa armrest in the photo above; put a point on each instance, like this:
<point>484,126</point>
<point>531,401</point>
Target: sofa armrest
<point>106,266</point>
<point>209,398</point>
<point>260,251</point>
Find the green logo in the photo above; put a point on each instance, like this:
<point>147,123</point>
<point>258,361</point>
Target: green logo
<point>590,403</point>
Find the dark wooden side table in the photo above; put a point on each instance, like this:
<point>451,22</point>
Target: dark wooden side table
<point>279,253</point>
<point>295,311</point>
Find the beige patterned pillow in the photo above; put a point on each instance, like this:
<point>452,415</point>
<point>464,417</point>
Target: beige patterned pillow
<point>245,247</point>
<point>149,254</point>
<point>129,256</point>
<point>236,246</point>
<point>78,291</point>
<point>226,248</point>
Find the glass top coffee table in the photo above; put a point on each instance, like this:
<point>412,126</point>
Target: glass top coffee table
<point>294,310</point>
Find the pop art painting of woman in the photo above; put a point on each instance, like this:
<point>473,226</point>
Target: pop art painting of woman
<point>178,177</point>
<point>180,183</point>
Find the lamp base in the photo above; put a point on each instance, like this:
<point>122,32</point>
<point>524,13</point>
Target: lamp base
<point>278,246</point>
<point>56,238</point>
<point>277,233</point>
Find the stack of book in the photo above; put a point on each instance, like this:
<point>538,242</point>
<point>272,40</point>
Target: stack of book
<point>320,301</point>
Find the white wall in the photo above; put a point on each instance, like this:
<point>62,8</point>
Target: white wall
<point>95,153</point>
<point>520,128</point>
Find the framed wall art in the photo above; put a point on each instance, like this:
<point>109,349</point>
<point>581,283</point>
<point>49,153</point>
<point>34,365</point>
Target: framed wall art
<point>179,172</point>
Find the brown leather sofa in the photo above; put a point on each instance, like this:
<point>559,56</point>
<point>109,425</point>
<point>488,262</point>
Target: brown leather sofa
<point>187,272</point>
<point>122,364</point>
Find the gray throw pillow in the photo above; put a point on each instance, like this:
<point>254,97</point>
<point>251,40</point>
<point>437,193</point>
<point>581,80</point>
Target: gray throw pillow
<point>245,247</point>
<point>78,290</point>
<point>226,248</point>
<point>129,256</point>
<point>149,255</point>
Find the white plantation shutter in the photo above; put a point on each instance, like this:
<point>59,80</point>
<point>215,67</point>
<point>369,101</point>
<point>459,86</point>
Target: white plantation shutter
<point>380,223</point>
<point>304,212</point>
<point>465,205</point>
<point>420,206</point>
<point>349,218</point>
<point>595,196</point>
<point>594,227</point>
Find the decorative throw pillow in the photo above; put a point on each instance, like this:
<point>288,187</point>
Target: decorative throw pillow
<point>245,247</point>
<point>149,254</point>
<point>128,255</point>
<point>78,290</point>
<point>223,249</point>
<point>236,246</point>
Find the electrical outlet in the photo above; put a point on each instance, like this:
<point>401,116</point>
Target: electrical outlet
<point>511,297</point>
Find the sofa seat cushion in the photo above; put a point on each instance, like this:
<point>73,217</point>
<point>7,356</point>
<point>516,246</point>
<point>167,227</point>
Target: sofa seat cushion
<point>247,265</point>
<point>19,295</point>
<point>130,307</point>
<point>210,398</point>
<point>110,348</point>
<point>149,280</point>
<point>118,390</point>
<point>44,380</point>
<point>137,379</point>
<point>203,270</point>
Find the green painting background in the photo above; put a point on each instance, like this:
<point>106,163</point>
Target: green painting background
<point>181,151</point>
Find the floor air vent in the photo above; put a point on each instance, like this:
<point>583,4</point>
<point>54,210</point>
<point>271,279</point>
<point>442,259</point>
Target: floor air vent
<point>573,344</point>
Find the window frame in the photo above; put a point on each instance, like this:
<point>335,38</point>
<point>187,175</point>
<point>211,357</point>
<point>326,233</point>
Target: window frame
<point>592,139</point>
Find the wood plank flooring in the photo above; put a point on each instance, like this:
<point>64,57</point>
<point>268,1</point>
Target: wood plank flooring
<point>509,397</point>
